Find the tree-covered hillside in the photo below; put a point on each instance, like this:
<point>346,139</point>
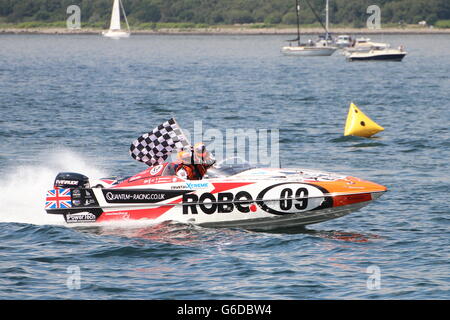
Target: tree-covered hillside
<point>211,12</point>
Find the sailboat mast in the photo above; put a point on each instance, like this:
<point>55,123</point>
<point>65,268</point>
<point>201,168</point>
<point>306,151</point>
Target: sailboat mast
<point>326,20</point>
<point>297,10</point>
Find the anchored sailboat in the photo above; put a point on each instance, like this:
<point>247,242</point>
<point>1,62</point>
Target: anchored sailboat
<point>115,30</point>
<point>319,48</point>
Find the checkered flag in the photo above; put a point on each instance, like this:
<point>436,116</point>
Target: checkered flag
<point>155,147</point>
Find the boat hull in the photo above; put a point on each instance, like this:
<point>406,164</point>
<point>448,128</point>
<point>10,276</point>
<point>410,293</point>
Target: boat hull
<point>290,221</point>
<point>377,57</point>
<point>116,34</point>
<point>308,51</point>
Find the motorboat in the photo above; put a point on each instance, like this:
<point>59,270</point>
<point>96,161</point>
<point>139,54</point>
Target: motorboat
<point>378,54</point>
<point>364,45</point>
<point>231,195</point>
<point>115,31</point>
<point>343,41</point>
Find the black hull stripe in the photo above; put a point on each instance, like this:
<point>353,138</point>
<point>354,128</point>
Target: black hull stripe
<point>390,57</point>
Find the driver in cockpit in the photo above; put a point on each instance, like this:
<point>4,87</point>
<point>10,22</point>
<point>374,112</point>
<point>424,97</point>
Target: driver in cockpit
<point>192,164</point>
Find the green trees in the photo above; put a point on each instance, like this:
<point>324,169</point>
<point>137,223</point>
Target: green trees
<point>344,12</point>
<point>238,16</point>
<point>146,11</point>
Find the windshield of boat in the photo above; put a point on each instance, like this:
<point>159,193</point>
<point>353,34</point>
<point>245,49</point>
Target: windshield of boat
<point>229,167</point>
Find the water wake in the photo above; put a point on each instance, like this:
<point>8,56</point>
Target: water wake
<point>23,188</point>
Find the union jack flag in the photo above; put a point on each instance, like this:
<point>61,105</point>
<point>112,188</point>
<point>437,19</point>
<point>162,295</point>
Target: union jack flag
<point>58,199</point>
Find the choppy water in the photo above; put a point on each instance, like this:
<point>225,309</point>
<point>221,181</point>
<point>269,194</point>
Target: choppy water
<point>76,102</point>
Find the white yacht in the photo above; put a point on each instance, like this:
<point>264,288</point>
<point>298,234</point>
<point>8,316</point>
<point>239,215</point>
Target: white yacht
<point>378,54</point>
<point>312,48</point>
<point>364,45</point>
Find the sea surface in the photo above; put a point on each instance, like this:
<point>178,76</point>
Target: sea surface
<point>76,102</point>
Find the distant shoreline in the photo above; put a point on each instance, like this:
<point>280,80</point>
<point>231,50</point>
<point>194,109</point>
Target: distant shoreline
<point>234,30</point>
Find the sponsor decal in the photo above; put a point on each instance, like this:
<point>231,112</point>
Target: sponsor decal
<point>139,196</point>
<point>68,182</point>
<point>192,186</point>
<point>122,214</point>
<point>80,217</point>
<point>89,202</point>
<point>76,193</point>
<point>293,198</point>
<point>182,174</point>
<point>319,176</point>
<point>197,185</point>
<point>156,169</point>
<point>155,180</point>
<point>111,197</point>
<point>221,202</point>
<point>151,180</point>
<point>84,203</point>
<point>182,187</point>
<point>279,199</point>
<point>82,198</point>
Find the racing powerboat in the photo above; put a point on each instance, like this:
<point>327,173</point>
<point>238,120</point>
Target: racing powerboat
<point>231,195</point>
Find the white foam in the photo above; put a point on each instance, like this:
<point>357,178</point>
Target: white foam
<point>23,189</point>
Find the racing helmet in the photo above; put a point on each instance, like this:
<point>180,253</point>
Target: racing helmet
<point>184,157</point>
<point>200,150</point>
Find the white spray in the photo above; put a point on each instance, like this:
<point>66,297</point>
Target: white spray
<point>23,188</point>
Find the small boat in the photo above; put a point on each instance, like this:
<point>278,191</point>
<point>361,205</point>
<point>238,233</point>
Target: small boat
<point>115,31</point>
<point>378,54</point>
<point>343,41</point>
<point>312,48</point>
<point>364,45</point>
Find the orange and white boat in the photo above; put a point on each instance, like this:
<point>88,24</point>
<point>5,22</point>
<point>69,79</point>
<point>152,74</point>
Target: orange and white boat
<point>229,196</point>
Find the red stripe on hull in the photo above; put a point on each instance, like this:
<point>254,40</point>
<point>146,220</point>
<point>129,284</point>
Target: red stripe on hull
<point>351,199</point>
<point>137,214</point>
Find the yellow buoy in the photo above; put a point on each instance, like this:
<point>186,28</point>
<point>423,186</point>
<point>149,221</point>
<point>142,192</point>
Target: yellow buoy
<point>358,124</point>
